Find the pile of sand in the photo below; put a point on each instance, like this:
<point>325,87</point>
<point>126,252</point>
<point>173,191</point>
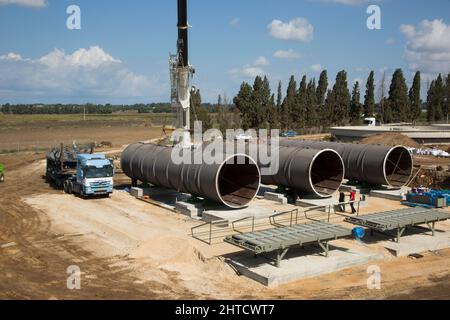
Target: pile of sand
<point>391,139</point>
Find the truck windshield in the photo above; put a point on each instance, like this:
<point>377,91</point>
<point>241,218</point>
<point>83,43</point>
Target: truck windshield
<point>94,172</point>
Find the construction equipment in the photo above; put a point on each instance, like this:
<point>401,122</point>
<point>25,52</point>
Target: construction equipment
<point>399,220</point>
<point>2,173</point>
<point>181,73</point>
<point>79,172</point>
<point>374,164</point>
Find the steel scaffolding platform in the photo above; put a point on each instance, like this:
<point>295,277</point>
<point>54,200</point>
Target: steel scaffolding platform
<point>283,238</point>
<point>400,220</point>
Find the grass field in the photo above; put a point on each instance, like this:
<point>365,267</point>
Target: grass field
<point>38,132</point>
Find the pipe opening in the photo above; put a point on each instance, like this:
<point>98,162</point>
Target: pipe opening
<point>327,173</point>
<point>398,167</point>
<point>238,181</point>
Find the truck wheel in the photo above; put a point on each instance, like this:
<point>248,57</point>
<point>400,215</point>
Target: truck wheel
<point>69,187</point>
<point>66,190</point>
<point>2,178</point>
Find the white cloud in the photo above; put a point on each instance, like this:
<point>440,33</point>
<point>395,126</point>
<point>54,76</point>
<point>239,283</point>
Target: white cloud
<point>287,54</point>
<point>261,61</point>
<point>316,67</point>
<point>25,3</point>
<point>250,71</point>
<point>89,73</point>
<point>247,71</point>
<point>235,22</point>
<point>428,46</point>
<point>298,29</point>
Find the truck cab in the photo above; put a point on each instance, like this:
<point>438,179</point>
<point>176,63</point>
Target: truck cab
<point>94,176</point>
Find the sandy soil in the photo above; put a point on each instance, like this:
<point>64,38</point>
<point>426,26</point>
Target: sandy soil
<point>129,249</point>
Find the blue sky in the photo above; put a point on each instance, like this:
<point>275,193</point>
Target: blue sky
<point>120,54</point>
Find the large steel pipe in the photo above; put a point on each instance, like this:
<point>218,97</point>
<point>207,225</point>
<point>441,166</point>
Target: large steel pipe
<point>311,172</point>
<point>234,181</point>
<point>374,164</point>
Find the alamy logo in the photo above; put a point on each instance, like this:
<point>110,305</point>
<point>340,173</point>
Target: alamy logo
<point>374,280</point>
<point>74,19</point>
<point>374,20</point>
<point>74,279</point>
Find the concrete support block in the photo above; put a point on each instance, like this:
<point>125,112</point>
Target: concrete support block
<point>275,197</point>
<point>137,192</point>
<point>188,209</point>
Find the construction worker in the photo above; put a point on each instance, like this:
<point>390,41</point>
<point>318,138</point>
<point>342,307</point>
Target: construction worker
<point>341,205</point>
<point>352,201</point>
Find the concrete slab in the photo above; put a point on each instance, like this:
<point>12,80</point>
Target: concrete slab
<point>302,263</point>
<point>418,243</point>
<point>224,213</point>
<point>391,194</point>
<point>326,202</point>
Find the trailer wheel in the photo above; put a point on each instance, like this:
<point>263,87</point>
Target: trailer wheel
<point>2,178</point>
<point>66,189</point>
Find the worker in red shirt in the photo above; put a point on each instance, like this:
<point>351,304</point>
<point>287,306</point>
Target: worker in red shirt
<point>352,201</point>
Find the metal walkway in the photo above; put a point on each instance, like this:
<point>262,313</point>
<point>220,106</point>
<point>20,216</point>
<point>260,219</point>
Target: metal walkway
<point>400,220</point>
<point>282,239</point>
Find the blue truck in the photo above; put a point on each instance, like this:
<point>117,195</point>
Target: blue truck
<point>80,173</point>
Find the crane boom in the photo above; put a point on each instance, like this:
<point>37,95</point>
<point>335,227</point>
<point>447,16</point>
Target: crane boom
<point>180,73</point>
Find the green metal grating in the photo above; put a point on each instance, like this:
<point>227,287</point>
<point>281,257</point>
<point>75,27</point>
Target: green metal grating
<point>283,238</point>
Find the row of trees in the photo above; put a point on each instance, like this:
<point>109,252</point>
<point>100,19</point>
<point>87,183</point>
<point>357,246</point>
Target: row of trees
<point>312,104</point>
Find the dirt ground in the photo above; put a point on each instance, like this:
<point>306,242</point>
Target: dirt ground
<point>127,249</point>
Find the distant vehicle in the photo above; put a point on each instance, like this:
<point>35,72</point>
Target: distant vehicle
<point>288,134</point>
<point>243,137</point>
<point>370,122</point>
<point>2,173</point>
<point>80,173</point>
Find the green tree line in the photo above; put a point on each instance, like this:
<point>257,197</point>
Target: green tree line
<point>310,104</point>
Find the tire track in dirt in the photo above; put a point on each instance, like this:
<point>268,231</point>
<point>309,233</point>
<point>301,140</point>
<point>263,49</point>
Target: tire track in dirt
<point>35,262</point>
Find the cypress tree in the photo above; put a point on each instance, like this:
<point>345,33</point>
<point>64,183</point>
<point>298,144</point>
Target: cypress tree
<point>279,111</point>
<point>311,105</point>
<point>439,98</point>
<point>329,106</point>
<point>272,114</point>
<point>398,97</point>
<point>322,87</point>
<point>369,98</point>
<point>288,104</point>
<point>243,102</point>
<point>355,107</point>
<point>446,109</point>
<point>300,107</point>
<point>430,102</point>
<point>342,99</point>
<point>415,102</point>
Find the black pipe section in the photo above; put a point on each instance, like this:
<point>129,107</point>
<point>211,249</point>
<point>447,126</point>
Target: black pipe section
<point>319,173</point>
<point>310,172</point>
<point>183,44</point>
<point>374,164</point>
<point>234,181</point>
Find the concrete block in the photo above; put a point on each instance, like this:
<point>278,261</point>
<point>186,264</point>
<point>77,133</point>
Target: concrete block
<point>390,194</point>
<point>137,192</point>
<point>275,197</point>
<point>188,209</point>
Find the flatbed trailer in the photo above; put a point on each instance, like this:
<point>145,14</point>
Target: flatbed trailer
<point>283,238</point>
<point>399,220</point>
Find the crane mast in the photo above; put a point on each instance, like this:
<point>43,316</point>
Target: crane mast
<point>181,73</point>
